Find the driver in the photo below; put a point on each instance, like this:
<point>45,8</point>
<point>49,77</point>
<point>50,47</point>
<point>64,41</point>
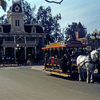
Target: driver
<point>73,57</point>
<point>65,63</point>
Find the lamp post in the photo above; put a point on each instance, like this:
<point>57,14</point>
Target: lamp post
<point>95,39</point>
<point>18,50</point>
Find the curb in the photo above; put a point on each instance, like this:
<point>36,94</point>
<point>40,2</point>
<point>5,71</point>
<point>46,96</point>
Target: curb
<point>96,75</point>
<point>38,67</point>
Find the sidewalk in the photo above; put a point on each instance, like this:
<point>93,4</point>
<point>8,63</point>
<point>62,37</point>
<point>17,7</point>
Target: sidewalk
<point>96,75</point>
<point>38,67</point>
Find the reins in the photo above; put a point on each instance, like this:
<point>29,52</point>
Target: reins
<point>93,62</point>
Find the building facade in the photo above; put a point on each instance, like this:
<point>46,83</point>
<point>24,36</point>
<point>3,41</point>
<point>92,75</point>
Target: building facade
<point>18,39</point>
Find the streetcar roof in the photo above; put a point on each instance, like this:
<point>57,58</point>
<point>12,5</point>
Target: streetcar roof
<point>66,45</point>
<point>60,46</point>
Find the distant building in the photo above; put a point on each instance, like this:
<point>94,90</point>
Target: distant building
<point>18,39</point>
<point>79,33</point>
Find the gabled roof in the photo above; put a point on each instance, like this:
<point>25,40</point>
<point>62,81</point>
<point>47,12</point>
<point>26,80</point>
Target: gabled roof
<point>79,25</point>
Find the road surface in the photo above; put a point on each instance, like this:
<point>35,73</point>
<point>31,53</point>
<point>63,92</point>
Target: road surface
<point>25,83</point>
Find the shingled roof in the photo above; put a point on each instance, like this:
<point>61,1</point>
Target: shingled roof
<point>12,8</point>
<point>6,28</point>
<point>79,25</point>
<point>28,28</point>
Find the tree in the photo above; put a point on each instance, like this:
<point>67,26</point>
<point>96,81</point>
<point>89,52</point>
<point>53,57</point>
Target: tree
<point>2,18</point>
<point>70,30</point>
<point>3,4</point>
<point>57,30</point>
<point>28,11</point>
<point>49,23</point>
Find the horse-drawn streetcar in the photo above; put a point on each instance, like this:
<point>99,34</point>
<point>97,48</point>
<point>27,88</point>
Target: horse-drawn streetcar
<point>54,57</point>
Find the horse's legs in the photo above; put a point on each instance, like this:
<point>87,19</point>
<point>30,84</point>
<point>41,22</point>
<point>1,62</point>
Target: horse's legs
<point>92,76</point>
<point>83,75</point>
<point>79,73</point>
<point>88,80</point>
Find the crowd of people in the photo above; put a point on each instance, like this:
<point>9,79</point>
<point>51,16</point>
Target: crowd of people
<point>67,59</point>
<point>10,60</point>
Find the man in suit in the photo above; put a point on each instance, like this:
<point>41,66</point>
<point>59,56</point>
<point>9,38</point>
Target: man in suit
<point>65,63</point>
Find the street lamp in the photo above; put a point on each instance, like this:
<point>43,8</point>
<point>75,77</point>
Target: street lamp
<point>95,37</point>
<point>18,50</point>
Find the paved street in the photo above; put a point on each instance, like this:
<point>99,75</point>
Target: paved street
<point>26,83</point>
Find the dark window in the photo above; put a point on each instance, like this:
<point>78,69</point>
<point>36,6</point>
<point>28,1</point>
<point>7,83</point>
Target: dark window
<point>15,22</point>
<point>18,22</point>
<point>0,29</point>
<point>33,30</point>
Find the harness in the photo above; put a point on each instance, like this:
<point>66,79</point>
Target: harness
<point>89,61</point>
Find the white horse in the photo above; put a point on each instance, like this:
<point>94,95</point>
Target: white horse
<point>83,63</point>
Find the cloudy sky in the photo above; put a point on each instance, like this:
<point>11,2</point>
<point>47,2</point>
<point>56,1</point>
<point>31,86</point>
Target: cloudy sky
<point>85,11</point>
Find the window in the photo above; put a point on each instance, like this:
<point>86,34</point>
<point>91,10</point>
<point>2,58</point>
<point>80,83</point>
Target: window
<point>16,22</point>
<point>33,30</point>
<point>1,30</point>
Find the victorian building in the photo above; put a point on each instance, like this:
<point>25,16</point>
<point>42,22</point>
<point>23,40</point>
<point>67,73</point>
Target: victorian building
<point>18,39</point>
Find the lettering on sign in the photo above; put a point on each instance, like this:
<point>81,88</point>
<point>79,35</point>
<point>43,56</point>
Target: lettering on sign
<point>52,45</point>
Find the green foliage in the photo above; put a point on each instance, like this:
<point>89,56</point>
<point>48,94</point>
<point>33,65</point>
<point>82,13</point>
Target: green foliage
<point>3,19</point>
<point>3,4</point>
<point>49,23</point>
<point>70,30</point>
<point>27,11</point>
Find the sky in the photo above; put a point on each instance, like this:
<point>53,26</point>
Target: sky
<point>85,11</point>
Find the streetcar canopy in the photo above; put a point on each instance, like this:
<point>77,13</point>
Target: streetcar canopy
<point>68,44</point>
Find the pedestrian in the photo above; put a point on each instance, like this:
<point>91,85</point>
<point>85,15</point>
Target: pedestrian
<point>72,56</point>
<point>65,63</point>
<point>45,60</point>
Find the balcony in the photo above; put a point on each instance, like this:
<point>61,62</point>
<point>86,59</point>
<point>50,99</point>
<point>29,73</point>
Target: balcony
<point>8,42</point>
<point>19,42</point>
<point>30,42</point>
